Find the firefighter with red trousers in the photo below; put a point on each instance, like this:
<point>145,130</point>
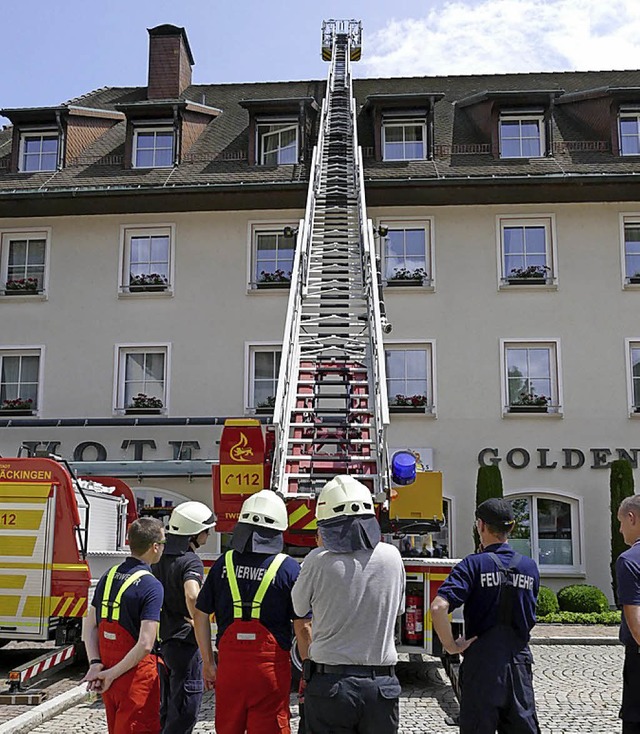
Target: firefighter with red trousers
<point>249,590</point>
<point>120,633</point>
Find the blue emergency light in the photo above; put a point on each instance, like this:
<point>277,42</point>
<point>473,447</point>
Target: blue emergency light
<point>403,467</point>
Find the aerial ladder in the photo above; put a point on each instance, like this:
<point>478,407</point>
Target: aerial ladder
<point>331,410</point>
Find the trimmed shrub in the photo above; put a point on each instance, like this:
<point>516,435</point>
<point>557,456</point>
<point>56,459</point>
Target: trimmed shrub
<point>488,484</point>
<point>547,602</point>
<point>582,598</point>
<point>608,618</point>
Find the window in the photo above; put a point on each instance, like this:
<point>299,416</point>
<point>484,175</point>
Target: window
<point>142,370</point>
<point>407,253</point>
<point>272,257</point>
<point>278,142</point>
<point>265,366</point>
<point>404,138</point>
<point>521,136</point>
<point>632,251</point>
<point>547,530</point>
<point>147,259</point>
<point>527,251</point>
<point>153,148</point>
<point>531,377</point>
<point>409,378</point>
<point>633,371</point>
<point>38,151</point>
<point>24,257</point>
<point>19,379</point>
<point>629,129</point>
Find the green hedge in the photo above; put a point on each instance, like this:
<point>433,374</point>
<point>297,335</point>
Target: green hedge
<point>609,618</point>
<point>547,602</point>
<point>582,598</point>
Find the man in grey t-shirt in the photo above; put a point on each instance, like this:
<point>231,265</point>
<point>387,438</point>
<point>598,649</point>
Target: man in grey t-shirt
<point>354,586</point>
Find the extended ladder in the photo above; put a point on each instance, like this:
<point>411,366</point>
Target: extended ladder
<point>331,408</point>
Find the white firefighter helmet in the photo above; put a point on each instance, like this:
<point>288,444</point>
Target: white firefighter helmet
<point>265,509</point>
<point>190,518</point>
<point>342,496</point>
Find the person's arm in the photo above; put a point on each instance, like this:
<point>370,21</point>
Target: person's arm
<point>632,615</point>
<point>90,639</point>
<point>302,591</point>
<point>144,645</point>
<point>191,591</point>
<point>302,629</point>
<point>442,626</point>
<point>202,628</point>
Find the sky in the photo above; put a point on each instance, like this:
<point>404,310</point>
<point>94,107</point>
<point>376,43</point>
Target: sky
<point>52,51</point>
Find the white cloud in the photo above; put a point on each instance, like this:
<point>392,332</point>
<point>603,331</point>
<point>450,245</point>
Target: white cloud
<point>495,36</point>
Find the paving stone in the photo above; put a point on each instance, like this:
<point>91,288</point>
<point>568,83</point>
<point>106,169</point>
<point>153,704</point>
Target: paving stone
<point>578,690</point>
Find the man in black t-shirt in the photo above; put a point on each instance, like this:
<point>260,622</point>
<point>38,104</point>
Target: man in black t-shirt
<point>181,573</point>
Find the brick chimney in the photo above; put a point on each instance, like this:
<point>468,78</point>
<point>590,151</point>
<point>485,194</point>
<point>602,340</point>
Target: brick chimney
<point>170,62</point>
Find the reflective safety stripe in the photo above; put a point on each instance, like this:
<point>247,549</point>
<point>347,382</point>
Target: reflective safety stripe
<point>268,577</point>
<point>115,604</point>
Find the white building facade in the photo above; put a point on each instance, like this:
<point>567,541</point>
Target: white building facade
<point>512,288</point>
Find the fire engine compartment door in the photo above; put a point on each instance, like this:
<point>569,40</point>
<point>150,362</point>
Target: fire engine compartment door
<point>27,517</point>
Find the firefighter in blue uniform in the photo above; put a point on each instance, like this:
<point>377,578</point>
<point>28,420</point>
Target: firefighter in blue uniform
<point>181,572</point>
<point>249,590</point>
<point>499,589</point>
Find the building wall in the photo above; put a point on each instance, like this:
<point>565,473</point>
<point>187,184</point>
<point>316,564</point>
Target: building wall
<point>211,317</point>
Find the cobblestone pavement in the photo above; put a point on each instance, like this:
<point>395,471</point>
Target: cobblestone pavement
<point>578,690</point>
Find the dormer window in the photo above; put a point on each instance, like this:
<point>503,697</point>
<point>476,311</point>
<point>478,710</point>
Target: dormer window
<point>404,138</point>
<point>38,151</point>
<point>153,147</point>
<point>629,129</point>
<point>522,134</point>
<point>277,142</point>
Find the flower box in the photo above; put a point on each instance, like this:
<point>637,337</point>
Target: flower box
<point>528,409</point>
<point>265,409</point>
<point>143,411</point>
<point>537,280</point>
<point>21,292</point>
<point>148,288</point>
<point>407,409</point>
<point>273,284</point>
<point>15,411</point>
<point>405,282</point>
<point>634,280</point>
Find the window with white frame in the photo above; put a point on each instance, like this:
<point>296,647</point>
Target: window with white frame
<point>263,383</point>
<point>531,377</point>
<point>147,258</point>
<point>634,373</point>
<point>547,530</point>
<point>19,379</point>
<point>38,151</point>
<point>632,251</point>
<point>153,147</point>
<point>629,130</point>
<point>272,256</point>
<point>277,142</point>
<point>409,376</point>
<point>23,262</point>
<point>407,253</point>
<point>526,248</point>
<point>521,135</point>
<point>404,138</point>
<point>142,378</point>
